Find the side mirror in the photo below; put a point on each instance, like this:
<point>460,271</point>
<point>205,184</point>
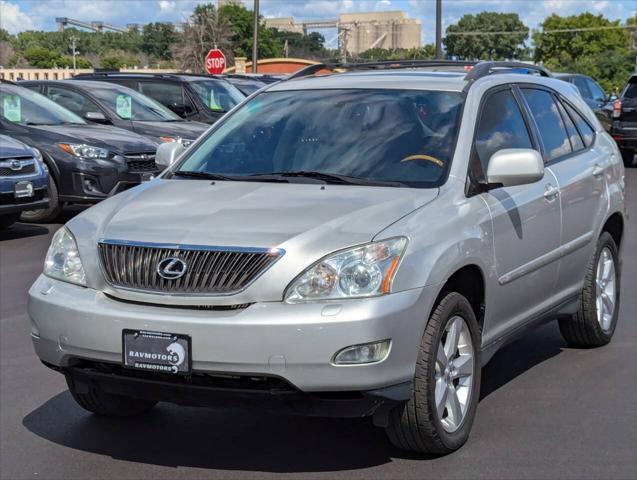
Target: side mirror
<point>515,166</point>
<point>97,117</point>
<point>168,153</point>
<point>612,98</point>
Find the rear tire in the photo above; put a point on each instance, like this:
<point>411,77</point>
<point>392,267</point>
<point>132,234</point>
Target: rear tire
<point>419,425</point>
<point>588,327</point>
<point>108,405</point>
<point>45,215</point>
<point>628,156</point>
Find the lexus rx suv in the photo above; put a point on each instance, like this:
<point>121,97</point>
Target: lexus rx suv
<point>355,243</point>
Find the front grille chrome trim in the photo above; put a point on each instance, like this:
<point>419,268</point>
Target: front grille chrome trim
<point>214,271</point>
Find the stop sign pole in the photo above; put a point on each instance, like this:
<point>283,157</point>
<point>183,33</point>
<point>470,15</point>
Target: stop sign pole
<point>255,37</point>
<point>215,62</point>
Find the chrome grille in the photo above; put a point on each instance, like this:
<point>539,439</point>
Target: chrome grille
<point>210,270</point>
<point>141,162</point>
<point>16,166</point>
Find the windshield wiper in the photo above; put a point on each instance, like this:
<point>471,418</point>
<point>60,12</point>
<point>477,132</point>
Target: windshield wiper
<point>332,178</point>
<point>203,175</point>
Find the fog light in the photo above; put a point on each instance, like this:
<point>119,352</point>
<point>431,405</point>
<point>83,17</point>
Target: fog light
<point>361,354</point>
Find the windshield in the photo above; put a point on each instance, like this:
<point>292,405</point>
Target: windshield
<point>217,95</point>
<point>23,106</point>
<point>247,87</point>
<point>131,105</point>
<point>377,135</point>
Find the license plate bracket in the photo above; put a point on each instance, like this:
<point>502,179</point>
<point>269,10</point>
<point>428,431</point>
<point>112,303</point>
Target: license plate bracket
<point>23,189</point>
<point>157,352</point>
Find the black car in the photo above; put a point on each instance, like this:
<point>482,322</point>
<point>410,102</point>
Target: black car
<point>203,98</point>
<point>593,94</point>
<point>23,180</point>
<point>248,83</point>
<point>86,162</point>
<point>112,104</point>
<point>624,128</point>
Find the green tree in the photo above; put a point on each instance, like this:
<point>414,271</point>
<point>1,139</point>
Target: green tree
<point>419,53</point>
<point>590,47</point>
<point>241,21</point>
<point>302,46</point>
<point>157,38</point>
<point>494,46</point>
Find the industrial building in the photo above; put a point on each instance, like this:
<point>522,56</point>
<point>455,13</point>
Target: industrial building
<point>361,31</point>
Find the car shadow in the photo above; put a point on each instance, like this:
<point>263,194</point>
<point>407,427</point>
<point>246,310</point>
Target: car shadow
<point>22,230</point>
<point>236,439</point>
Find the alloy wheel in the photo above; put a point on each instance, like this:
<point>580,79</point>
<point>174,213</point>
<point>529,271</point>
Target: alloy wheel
<point>454,374</point>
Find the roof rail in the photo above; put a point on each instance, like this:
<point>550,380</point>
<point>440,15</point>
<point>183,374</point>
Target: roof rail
<point>474,69</point>
<point>484,68</point>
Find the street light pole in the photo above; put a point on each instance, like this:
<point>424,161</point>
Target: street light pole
<point>255,37</point>
<point>439,29</point>
<point>74,52</point>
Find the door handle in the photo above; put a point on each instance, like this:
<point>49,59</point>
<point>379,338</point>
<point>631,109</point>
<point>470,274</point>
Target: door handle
<point>598,170</point>
<point>550,192</point>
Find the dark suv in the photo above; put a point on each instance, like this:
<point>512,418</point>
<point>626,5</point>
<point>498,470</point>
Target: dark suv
<point>624,128</point>
<point>195,97</point>
<point>593,94</point>
<point>86,162</point>
<point>117,105</point>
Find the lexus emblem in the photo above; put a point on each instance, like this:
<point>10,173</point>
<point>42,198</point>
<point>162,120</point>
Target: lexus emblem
<point>171,268</point>
<point>15,165</point>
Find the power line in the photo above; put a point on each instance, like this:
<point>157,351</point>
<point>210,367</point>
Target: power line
<point>543,32</point>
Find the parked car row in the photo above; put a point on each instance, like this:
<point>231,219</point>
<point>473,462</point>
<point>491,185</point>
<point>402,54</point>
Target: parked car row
<point>97,135</point>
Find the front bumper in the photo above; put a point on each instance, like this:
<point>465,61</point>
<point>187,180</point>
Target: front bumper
<point>71,324</point>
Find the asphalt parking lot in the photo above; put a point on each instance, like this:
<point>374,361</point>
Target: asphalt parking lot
<point>547,411</point>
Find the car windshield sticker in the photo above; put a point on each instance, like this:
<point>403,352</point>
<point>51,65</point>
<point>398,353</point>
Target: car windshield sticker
<point>12,110</point>
<point>213,103</point>
<point>124,106</point>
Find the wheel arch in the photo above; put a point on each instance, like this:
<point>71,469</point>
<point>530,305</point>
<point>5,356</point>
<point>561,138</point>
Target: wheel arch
<point>614,225</point>
<point>469,281</point>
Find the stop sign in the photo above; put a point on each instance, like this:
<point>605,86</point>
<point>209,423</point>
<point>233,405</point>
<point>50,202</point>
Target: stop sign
<point>215,62</point>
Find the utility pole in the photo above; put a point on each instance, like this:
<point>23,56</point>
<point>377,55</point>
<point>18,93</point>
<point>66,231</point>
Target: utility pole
<point>74,52</point>
<point>438,29</point>
<point>255,37</point>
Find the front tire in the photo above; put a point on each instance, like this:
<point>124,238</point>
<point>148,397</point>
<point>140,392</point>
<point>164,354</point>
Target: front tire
<point>438,417</point>
<point>106,404</point>
<point>595,321</point>
<point>45,215</point>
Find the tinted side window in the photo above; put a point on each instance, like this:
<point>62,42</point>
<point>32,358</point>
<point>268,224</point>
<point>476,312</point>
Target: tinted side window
<point>584,128</point>
<point>76,102</point>
<point>171,95</point>
<point>549,123</point>
<point>573,135</point>
<point>501,125</point>
<point>582,86</point>
<point>596,91</point>
<point>631,88</point>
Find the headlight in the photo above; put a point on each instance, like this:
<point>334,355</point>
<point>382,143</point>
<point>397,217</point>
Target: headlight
<point>364,271</point>
<point>63,259</point>
<point>185,142</point>
<point>37,154</point>
<point>84,151</point>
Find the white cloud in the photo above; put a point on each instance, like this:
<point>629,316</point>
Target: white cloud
<point>166,5</point>
<point>13,19</point>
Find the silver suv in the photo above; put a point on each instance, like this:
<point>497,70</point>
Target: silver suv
<point>354,241</point>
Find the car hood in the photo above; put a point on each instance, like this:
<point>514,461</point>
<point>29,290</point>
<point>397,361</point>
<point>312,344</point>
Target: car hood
<point>114,139</point>
<point>187,130</point>
<point>12,148</point>
<point>308,221</point>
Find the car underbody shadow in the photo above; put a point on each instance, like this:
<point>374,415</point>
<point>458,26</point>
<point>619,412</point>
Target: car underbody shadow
<point>231,439</point>
<point>537,346</point>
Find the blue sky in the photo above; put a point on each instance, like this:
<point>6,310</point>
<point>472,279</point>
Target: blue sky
<point>18,15</point>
